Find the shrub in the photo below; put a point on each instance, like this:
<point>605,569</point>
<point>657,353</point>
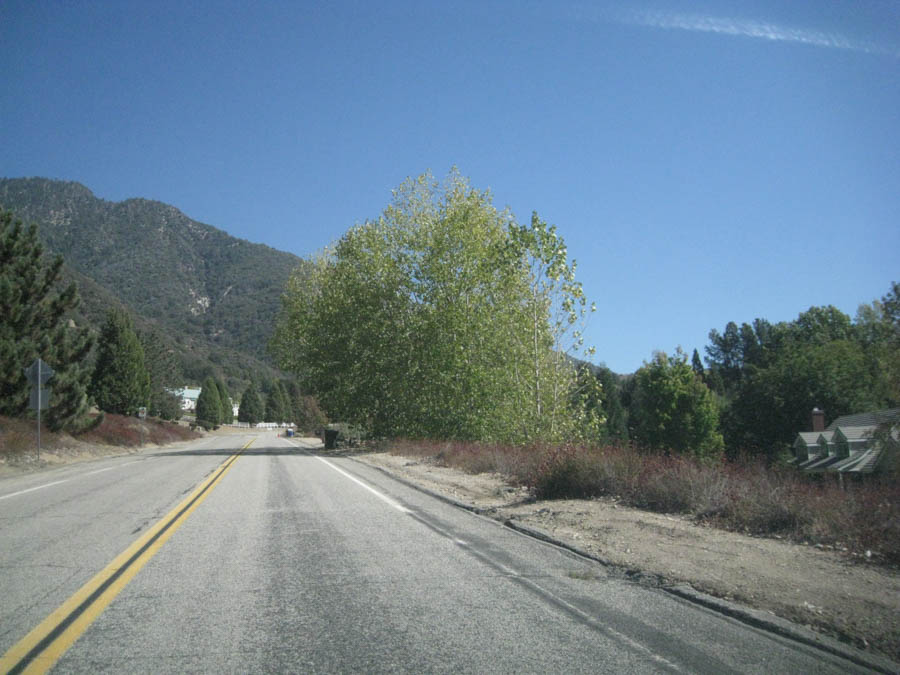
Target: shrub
<point>744,495</point>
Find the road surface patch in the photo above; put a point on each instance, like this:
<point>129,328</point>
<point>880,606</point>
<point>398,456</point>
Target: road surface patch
<point>46,643</point>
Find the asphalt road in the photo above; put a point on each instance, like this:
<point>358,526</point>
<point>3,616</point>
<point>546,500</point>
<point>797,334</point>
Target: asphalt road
<point>294,562</point>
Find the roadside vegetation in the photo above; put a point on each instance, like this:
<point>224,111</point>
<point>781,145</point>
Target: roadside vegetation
<point>741,495</point>
<point>125,431</point>
<point>18,435</point>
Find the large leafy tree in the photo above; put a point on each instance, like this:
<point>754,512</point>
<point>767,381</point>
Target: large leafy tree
<point>673,409</point>
<point>209,406</point>
<point>775,374</point>
<point>33,323</point>
<point>432,321</point>
<point>121,383</point>
<point>775,402</point>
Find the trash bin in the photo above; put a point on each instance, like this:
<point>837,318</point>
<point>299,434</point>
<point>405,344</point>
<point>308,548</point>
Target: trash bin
<point>330,439</point>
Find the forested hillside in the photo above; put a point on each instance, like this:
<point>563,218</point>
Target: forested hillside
<point>213,295</point>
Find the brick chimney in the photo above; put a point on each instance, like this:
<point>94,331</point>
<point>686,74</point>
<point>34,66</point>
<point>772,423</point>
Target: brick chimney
<point>818,420</point>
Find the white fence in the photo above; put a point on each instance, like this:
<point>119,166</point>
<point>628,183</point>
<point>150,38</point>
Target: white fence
<point>261,425</point>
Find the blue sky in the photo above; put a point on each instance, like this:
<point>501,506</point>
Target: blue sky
<point>705,161</point>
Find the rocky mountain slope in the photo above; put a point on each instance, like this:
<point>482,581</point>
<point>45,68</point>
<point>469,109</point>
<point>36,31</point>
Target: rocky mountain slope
<point>212,294</point>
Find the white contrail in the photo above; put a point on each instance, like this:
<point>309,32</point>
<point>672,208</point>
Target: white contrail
<point>752,29</point>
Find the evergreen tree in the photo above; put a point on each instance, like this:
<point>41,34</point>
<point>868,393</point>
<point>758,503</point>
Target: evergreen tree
<point>164,373</point>
<point>209,406</point>
<point>277,408</point>
<point>697,364</point>
<point>225,400</point>
<point>250,409</point>
<point>33,324</point>
<point>120,383</point>
<point>616,427</point>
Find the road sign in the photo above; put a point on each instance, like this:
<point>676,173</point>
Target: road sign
<point>142,412</point>
<point>38,373</point>
<point>40,398</point>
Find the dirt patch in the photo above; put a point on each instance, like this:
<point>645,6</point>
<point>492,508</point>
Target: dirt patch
<point>823,589</point>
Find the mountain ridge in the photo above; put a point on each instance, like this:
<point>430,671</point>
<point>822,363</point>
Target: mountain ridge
<point>214,294</point>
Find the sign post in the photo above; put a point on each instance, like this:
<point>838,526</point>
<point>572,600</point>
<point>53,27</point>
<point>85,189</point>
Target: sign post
<point>142,415</point>
<point>38,373</point>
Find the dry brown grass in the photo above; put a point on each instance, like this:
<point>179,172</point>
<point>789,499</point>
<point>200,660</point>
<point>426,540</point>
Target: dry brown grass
<point>740,495</point>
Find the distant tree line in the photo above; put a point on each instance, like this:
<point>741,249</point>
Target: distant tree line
<point>760,382</point>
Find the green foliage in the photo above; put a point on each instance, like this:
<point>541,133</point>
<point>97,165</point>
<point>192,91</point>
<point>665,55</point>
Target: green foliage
<point>164,372</point>
<point>212,300</point>
<point>33,323</point>
<point>278,409</point>
<point>435,321</point>
<point>209,407</point>
<point>308,416</point>
<point>772,376</point>
<point>616,427</point>
<point>674,409</point>
<point>697,365</point>
<point>120,383</point>
<point>225,402</point>
<point>250,409</point>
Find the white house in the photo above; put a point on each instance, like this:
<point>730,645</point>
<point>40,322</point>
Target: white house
<point>188,397</point>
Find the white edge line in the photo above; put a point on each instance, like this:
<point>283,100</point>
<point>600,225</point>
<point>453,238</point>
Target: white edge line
<point>384,498</point>
<point>109,468</point>
<point>58,482</point>
<point>39,487</point>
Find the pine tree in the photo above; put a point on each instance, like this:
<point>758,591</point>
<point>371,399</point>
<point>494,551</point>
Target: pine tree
<point>250,409</point>
<point>274,405</point>
<point>697,365</point>
<point>165,375</point>
<point>209,406</point>
<point>33,324</point>
<point>121,383</point>
<point>225,400</point>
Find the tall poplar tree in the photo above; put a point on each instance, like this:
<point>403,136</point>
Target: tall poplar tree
<point>442,319</point>
<point>33,323</point>
<point>121,383</point>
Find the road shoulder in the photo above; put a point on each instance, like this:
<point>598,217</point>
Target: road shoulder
<point>820,591</point>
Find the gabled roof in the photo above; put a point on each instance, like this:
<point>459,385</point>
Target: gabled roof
<point>860,433</point>
<point>866,419</point>
<point>809,437</point>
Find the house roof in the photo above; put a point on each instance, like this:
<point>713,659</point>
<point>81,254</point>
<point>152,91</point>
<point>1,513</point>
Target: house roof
<point>822,463</point>
<point>866,419</point>
<point>861,433</point>
<point>809,437</point>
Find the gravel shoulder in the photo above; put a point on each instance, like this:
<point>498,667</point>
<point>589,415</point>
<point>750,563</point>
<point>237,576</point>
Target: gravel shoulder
<point>850,599</point>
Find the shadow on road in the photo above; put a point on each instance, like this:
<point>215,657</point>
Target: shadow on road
<point>226,452</point>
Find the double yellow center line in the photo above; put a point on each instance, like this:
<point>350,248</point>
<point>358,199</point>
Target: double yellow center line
<point>43,646</point>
